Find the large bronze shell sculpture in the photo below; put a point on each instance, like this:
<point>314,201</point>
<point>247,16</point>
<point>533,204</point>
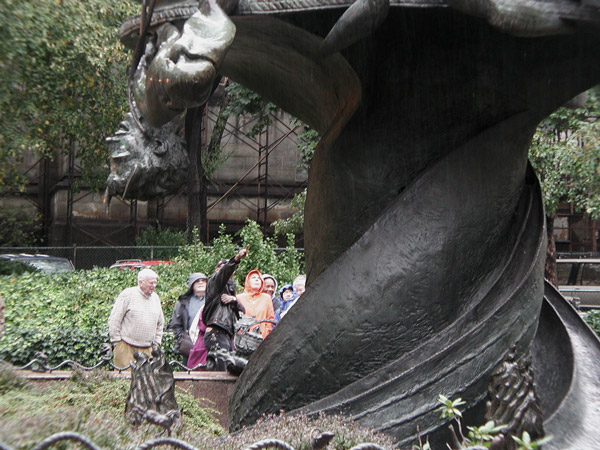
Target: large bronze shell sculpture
<point>424,226</point>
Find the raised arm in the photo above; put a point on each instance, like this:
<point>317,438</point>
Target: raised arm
<point>216,283</point>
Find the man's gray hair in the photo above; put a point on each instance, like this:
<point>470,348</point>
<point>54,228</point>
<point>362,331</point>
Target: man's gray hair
<point>146,273</point>
<point>299,280</point>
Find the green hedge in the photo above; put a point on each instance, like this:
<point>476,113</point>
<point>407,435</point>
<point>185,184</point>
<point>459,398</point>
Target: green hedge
<point>19,346</point>
<point>65,316</point>
<point>593,320</point>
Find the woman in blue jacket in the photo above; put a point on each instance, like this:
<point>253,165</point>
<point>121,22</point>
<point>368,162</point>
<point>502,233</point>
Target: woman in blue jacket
<point>287,297</point>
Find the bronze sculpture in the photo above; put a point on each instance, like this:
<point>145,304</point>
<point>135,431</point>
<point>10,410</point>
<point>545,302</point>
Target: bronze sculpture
<point>147,163</point>
<point>424,225</point>
<point>152,393</point>
<point>178,68</point>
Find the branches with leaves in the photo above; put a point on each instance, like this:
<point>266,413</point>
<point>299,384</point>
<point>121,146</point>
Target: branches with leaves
<point>294,223</point>
<point>244,101</point>
<point>565,153</point>
<point>64,74</point>
<point>525,442</point>
<point>481,436</point>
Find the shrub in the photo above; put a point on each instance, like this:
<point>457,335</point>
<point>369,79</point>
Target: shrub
<point>10,380</point>
<point>295,222</point>
<point>296,429</point>
<point>165,237</point>
<point>18,228</point>
<point>20,346</point>
<point>263,255</point>
<point>593,320</point>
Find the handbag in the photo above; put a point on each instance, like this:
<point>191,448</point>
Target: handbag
<point>186,344</point>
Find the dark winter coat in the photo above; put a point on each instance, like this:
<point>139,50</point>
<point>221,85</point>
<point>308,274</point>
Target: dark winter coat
<point>216,313</point>
<point>180,318</point>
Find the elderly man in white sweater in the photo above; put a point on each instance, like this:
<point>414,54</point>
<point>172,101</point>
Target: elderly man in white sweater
<point>136,320</point>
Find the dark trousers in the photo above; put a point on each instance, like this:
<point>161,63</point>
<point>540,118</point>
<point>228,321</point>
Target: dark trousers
<point>216,337</point>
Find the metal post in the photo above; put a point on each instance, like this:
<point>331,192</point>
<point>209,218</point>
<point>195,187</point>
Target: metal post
<point>70,194</point>
<point>262,179</point>
<point>133,219</point>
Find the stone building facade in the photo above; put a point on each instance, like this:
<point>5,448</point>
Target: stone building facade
<point>242,188</point>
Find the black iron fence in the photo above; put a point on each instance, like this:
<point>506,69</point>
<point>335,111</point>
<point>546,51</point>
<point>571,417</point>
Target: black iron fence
<point>90,257</point>
<point>176,443</point>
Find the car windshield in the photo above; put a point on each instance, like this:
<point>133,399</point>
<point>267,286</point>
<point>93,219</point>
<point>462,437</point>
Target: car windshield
<point>562,272</point>
<point>51,266</point>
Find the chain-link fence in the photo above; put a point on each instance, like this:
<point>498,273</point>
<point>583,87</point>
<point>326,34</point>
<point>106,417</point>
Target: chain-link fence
<point>88,257</point>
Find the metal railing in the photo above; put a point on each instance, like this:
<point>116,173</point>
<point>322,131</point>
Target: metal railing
<point>176,443</point>
<point>40,363</point>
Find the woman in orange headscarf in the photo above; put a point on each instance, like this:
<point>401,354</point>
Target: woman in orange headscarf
<point>257,303</point>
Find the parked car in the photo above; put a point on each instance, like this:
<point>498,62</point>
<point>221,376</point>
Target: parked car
<point>39,262</point>
<point>138,263</point>
<point>579,279</point>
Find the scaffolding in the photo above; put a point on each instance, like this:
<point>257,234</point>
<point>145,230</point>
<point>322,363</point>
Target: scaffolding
<point>269,193</point>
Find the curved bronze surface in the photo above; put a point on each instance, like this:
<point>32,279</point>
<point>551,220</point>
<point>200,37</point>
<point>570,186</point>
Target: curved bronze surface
<point>385,399</point>
<point>179,67</point>
<point>566,354</point>
<point>424,228</point>
<point>410,220</point>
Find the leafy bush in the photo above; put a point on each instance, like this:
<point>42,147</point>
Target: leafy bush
<point>295,429</point>
<point>284,265</point>
<point>593,320</point>
<point>158,236</point>
<point>294,223</point>
<point>308,140</point>
<point>244,101</point>
<point>80,299</point>
<point>10,380</point>
<point>162,237</point>
<point>18,228</point>
<point>21,345</point>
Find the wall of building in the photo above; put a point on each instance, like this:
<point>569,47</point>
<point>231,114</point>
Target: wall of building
<point>575,232</point>
<point>234,190</point>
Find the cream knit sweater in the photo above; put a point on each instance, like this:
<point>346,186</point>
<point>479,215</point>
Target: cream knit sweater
<point>136,318</point>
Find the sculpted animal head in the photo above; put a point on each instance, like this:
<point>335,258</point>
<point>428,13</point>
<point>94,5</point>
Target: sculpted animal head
<point>146,165</point>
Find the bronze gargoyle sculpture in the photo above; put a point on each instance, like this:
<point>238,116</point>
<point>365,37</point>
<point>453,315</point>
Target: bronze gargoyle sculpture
<point>151,395</point>
<point>424,226</point>
<point>146,163</point>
